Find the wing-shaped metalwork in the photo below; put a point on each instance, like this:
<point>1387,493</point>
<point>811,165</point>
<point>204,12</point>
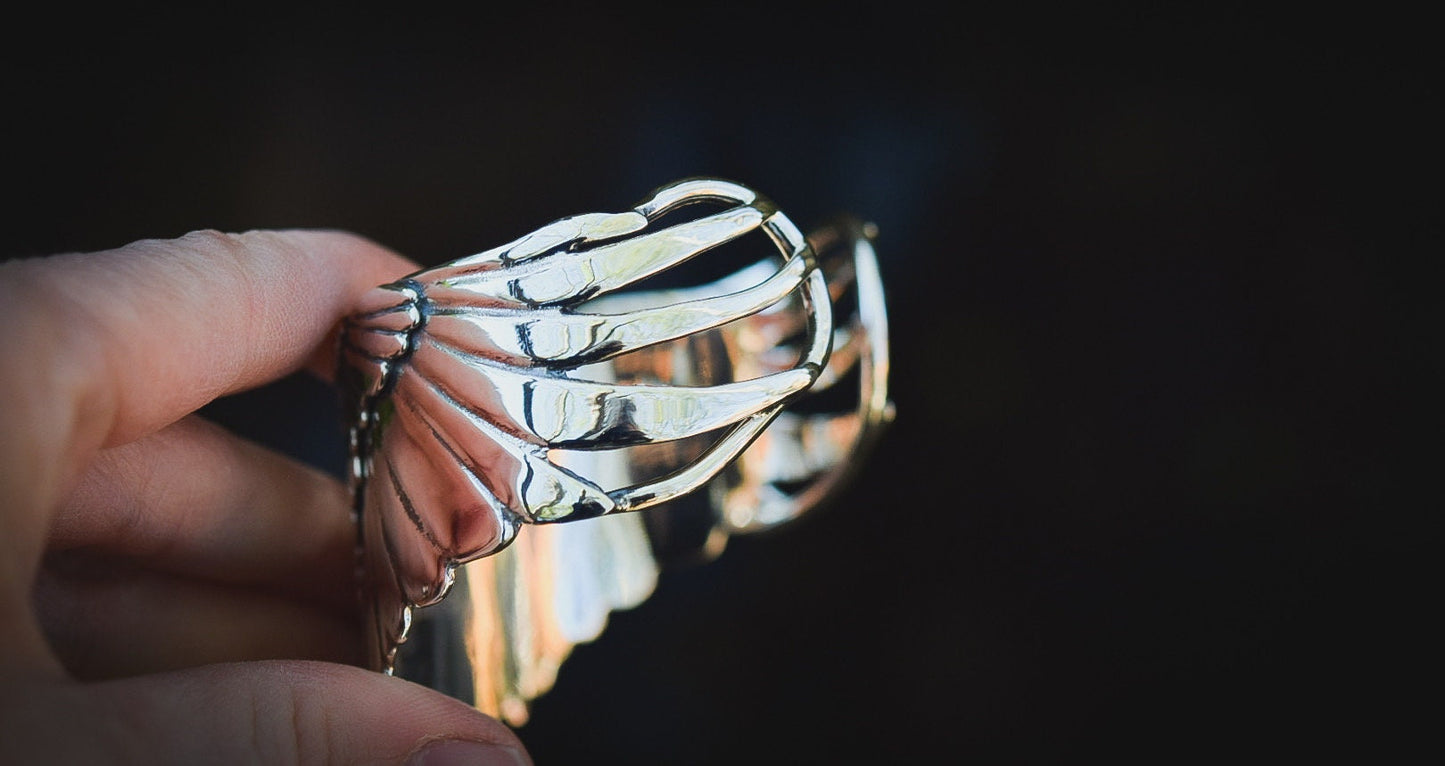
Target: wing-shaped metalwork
<point>524,385</point>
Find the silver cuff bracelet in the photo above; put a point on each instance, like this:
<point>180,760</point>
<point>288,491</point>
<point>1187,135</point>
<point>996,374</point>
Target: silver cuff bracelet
<point>525,386</point>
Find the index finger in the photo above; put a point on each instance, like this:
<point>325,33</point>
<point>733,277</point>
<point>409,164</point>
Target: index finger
<point>157,328</point>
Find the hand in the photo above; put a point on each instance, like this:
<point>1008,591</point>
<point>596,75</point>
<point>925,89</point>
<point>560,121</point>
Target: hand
<point>172,592</point>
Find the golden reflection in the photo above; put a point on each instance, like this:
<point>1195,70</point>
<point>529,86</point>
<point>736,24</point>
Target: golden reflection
<point>552,589</point>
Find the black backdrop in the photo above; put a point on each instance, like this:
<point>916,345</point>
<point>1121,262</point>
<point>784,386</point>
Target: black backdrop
<point>1144,486</point>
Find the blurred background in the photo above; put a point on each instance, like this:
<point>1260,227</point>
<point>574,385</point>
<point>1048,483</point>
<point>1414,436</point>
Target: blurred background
<point>1145,489</point>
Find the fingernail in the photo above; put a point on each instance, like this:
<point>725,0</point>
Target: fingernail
<point>461,752</point>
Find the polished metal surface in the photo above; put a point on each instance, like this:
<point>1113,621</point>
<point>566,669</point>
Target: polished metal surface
<point>523,386</point>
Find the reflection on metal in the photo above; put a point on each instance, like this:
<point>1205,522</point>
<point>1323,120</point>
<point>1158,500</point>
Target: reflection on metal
<point>518,387</point>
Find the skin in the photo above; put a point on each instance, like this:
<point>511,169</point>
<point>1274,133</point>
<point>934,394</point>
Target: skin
<point>172,592</point>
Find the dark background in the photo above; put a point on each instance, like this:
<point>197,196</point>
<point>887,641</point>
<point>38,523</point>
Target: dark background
<point>1147,488</point>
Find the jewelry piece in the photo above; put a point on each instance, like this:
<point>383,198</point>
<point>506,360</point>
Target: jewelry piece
<point>518,386</point>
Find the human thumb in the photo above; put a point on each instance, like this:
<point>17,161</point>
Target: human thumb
<point>254,712</point>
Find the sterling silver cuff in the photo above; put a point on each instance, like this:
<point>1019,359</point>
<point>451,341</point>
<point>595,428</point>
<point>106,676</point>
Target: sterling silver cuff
<point>524,386</point>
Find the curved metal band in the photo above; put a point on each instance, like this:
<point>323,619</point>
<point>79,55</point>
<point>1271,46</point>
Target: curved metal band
<point>816,453</point>
<point>808,454</point>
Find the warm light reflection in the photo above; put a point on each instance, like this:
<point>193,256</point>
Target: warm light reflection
<point>553,589</point>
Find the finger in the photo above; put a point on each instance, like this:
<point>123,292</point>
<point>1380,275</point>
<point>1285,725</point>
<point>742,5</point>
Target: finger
<point>195,499</point>
<point>173,324</point>
<point>246,713</point>
<point>106,619</point>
